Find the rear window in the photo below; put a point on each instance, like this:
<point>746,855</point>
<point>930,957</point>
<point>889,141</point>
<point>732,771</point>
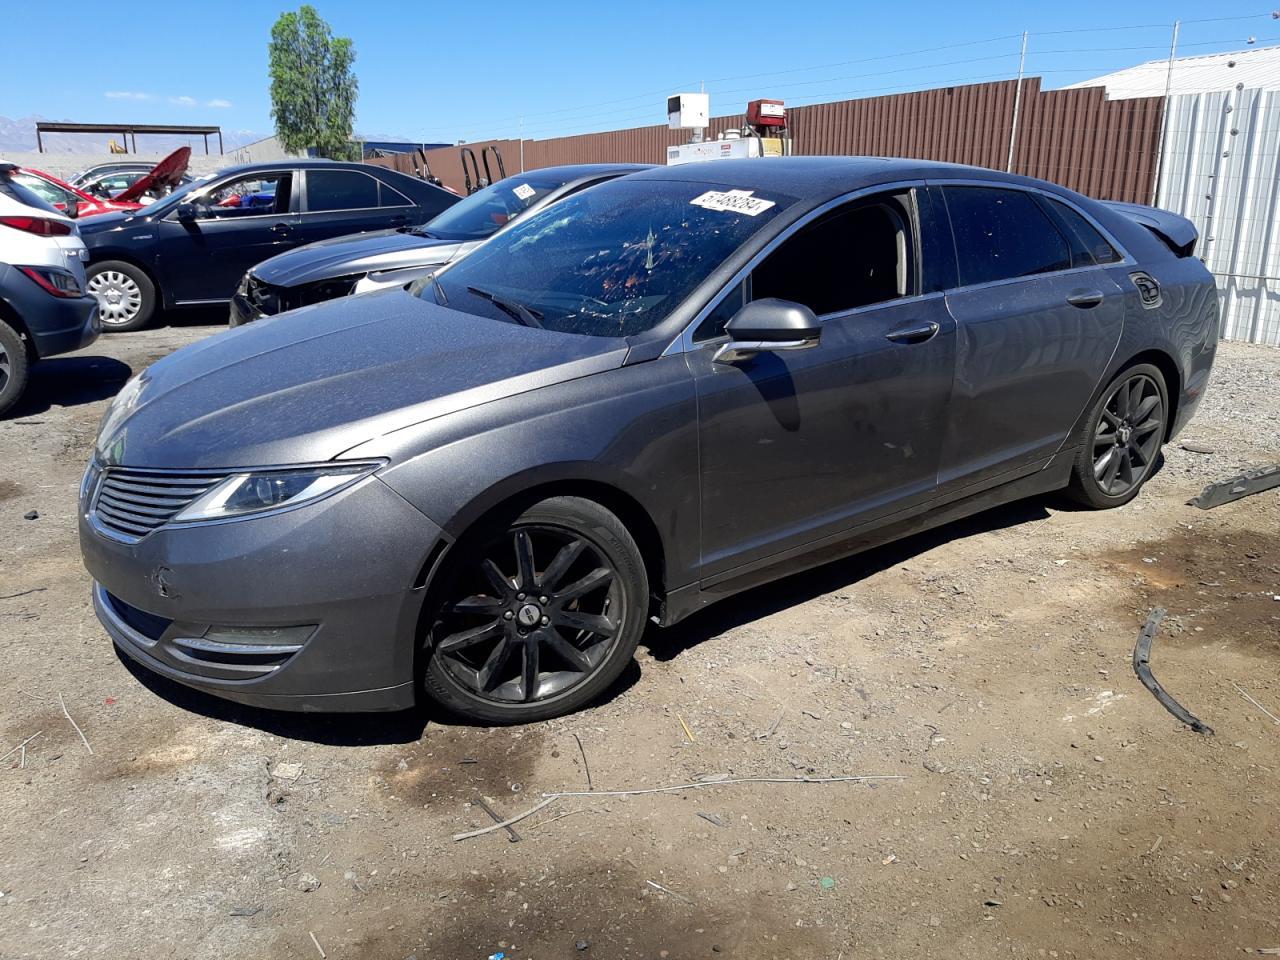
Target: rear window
<point>16,191</point>
<point>1003,234</point>
<point>340,190</point>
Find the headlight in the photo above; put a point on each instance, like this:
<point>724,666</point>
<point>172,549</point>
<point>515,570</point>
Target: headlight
<point>245,494</point>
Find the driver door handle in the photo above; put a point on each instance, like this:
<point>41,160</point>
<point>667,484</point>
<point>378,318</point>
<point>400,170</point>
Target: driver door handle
<point>1085,298</point>
<point>914,333</point>
<point>280,229</point>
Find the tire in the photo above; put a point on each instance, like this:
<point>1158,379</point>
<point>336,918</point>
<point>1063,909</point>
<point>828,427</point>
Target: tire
<point>1121,440</point>
<point>582,621</point>
<point>15,367</point>
<point>126,296</point>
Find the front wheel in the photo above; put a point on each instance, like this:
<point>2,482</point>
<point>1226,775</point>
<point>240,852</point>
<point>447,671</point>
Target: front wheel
<point>126,296</point>
<point>538,617</point>
<point>1124,433</point>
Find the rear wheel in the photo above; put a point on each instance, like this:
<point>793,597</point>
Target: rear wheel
<point>126,296</point>
<point>14,366</point>
<point>539,616</point>
<point>1123,437</point>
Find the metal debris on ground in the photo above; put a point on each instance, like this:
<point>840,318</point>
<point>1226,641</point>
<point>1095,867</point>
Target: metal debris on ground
<point>1246,484</point>
<point>712,819</point>
<point>668,891</point>
<point>1194,446</point>
<point>511,833</point>
<point>773,727</point>
<point>1142,667</point>
<point>1272,716</point>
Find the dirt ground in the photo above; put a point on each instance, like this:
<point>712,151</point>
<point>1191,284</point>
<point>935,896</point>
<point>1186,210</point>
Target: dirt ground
<point>1048,806</point>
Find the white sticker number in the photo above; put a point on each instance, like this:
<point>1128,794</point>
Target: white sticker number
<point>732,201</point>
<point>524,191</point>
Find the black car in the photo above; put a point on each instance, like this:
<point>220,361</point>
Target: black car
<point>192,247</point>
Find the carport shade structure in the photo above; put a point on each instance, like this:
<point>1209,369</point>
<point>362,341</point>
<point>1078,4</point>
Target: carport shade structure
<point>125,129</point>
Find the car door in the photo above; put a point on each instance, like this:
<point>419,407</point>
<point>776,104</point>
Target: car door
<point>799,445</point>
<point>340,201</point>
<point>1037,320</point>
<point>207,243</point>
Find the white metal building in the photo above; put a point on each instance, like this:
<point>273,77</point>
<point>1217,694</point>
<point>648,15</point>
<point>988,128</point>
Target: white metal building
<point>1220,167</point>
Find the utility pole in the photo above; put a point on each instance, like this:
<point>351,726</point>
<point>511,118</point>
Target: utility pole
<point>1164,121</point>
<point>522,144</point>
<point>1017,103</point>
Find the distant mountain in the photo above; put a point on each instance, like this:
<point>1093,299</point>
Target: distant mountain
<point>19,136</point>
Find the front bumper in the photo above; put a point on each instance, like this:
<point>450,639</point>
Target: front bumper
<point>242,311</point>
<point>347,566</point>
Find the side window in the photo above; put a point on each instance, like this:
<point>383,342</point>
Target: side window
<point>340,190</point>
<point>247,196</point>
<point>389,196</point>
<point>861,254</point>
<point>1088,246</point>
<point>1001,234</point>
<point>714,322</point>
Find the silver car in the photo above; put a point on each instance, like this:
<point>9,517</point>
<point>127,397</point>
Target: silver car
<point>392,258</point>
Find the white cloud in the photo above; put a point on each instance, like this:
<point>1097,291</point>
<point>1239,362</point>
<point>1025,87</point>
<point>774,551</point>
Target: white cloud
<point>183,101</point>
<point>128,95</point>
<point>219,103</point>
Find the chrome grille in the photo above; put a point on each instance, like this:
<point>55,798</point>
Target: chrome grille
<point>131,503</point>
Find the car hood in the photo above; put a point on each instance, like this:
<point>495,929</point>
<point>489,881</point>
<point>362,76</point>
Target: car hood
<point>308,385</point>
<point>359,254</point>
<point>112,220</point>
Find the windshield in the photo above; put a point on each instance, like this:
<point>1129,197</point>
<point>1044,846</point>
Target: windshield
<point>611,261</point>
<point>487,211</point>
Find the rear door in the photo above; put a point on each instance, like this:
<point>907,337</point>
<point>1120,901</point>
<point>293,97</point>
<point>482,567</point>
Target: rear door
<point>340,201</point>
<point>238,223</point>
<point>1037,320</point>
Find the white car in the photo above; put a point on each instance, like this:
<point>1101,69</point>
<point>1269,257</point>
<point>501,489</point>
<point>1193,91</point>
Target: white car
<point>44,309</point>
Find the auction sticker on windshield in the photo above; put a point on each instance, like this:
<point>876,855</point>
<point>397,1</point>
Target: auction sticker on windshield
<point>524,191</point>
<point>732,201</point>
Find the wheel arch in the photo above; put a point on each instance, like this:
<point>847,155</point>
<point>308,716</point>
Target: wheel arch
<point>9,314</point>
<point>113,254</point>
<point>1168,368</point>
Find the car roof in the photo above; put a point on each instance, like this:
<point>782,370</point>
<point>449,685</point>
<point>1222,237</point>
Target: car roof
<point>304,163</point>
<point>817,179</point>
<point>576,171</point>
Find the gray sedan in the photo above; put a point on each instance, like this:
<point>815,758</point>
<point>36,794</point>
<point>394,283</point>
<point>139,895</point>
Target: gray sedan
<point>651,396</point>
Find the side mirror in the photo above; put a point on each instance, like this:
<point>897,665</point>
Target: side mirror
<point>768,325</point>
<point>72,208</point>
<point>186,211</point>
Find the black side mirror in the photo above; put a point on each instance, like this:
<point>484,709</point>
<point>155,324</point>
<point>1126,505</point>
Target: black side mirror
<point>186,211</point>
<point>72,207</point>
<point>769,325</point>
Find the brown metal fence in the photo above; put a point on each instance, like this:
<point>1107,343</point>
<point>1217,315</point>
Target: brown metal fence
<point>1078,138</point>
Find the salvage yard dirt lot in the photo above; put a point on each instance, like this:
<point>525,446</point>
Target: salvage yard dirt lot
<point>1048,806</point>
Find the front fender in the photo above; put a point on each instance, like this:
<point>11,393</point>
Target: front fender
<point>632,430</point>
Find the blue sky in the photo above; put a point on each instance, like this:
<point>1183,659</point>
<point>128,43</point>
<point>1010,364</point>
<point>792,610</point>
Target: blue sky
<point>441,72</point>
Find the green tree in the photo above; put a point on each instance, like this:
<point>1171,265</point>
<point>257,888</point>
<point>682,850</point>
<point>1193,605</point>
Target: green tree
<point>313,89</point>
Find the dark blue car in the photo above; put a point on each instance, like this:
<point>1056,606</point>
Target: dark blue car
<point>192,247</point>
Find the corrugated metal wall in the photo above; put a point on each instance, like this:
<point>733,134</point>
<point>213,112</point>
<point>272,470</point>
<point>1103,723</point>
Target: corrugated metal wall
<point>1222,170</point>
<point>1074,137</point>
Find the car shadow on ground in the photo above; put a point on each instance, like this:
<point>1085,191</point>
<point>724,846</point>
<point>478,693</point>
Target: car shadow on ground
<point>70,382</point>
<point>365,729</point>
<point>793,590</point>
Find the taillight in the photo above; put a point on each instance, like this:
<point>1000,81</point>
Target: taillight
<point>38,225</point>
<point>58,283</point>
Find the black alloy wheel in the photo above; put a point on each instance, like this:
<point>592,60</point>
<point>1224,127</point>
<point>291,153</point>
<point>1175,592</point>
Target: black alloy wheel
<point>541,618</point>
<point>1128,429</point>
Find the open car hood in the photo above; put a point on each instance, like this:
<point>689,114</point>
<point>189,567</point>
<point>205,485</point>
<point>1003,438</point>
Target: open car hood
<point>167,173</point>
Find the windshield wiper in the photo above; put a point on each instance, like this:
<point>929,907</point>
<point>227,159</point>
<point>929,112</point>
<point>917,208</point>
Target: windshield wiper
<point>526,315</point>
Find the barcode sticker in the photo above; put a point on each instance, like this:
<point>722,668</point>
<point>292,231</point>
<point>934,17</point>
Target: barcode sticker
<point>732,201</point>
